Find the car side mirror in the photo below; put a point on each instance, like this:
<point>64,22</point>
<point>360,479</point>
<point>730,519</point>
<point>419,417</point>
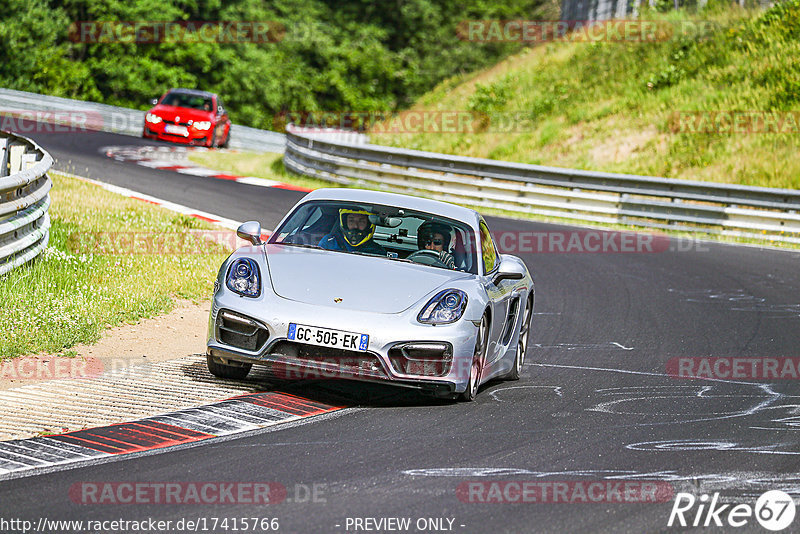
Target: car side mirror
<point>508,270</point>
<point>250,231</point>
<point>220,110</point>
<point>154,101</point>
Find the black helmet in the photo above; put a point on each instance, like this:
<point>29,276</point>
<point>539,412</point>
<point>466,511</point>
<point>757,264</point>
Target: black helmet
<point>428,228</point>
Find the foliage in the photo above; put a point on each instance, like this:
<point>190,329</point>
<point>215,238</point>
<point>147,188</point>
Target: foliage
<point>359,55</point>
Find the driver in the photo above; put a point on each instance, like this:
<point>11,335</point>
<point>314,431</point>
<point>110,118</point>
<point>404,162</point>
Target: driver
<point>353,233</point>
<point>436,236</point>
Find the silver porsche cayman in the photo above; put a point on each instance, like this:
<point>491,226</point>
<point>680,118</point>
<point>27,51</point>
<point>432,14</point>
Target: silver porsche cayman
<point>373,286</point>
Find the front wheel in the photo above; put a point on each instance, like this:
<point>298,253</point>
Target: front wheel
<point>478,361</point>
<point>221,370</point>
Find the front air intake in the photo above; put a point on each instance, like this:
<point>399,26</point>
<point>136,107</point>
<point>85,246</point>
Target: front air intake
<point>240,331</point>
<point>422,358</point>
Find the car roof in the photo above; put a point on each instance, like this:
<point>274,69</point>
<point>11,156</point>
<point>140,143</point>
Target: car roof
<point>193,92</point>
<point>445,209</point>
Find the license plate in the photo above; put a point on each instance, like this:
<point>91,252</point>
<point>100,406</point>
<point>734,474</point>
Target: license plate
<point>175,129</point>
<point>325,337</point>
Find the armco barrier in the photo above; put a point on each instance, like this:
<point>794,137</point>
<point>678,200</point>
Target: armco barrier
<point>124,121</point>
<point>644,201</point>
<point>24,188</point>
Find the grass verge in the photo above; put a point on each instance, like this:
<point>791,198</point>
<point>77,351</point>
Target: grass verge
<point>110,260</point>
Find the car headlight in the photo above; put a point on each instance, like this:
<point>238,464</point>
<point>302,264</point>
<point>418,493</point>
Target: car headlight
<point>202,125</point>
<point>152,118</point>
<point>244,278</point>
<point>445,307</point>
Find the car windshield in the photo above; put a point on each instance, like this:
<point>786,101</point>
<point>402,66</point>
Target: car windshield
<point>387,231</point>
<point>184,100</point>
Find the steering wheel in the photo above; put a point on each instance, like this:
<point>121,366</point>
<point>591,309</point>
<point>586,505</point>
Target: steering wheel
<point>427,257</point>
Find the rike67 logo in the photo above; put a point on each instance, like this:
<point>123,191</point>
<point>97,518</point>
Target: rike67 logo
<point>774,510</point>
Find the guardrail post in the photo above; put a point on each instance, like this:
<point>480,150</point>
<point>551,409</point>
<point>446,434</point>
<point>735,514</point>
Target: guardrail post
<point>27,161</point>
<point>15,159</point>
<point>3,157</point>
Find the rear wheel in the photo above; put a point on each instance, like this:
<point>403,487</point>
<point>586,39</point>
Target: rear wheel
<point>522,344</point>
<point>227,371</point>
<point>478,361</point>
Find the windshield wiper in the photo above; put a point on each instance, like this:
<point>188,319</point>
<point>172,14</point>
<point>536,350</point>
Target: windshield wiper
<point>303,245</point>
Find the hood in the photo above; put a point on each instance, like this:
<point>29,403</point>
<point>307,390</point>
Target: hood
<point>186,114</point>
<point>363,283</point>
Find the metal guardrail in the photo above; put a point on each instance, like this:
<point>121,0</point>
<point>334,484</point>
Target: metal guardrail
<point>24,199</point>
<point>119,120</point>
<point>643,201</point>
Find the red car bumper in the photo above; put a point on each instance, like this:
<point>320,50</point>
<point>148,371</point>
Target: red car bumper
<point>191,137</point>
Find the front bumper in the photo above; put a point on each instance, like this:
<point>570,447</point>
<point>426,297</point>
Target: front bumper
<point>401,351</point>
<point>194,137</point>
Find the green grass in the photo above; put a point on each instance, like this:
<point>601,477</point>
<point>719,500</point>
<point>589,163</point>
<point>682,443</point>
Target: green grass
<point>614,106</point>
<point>86,281</point>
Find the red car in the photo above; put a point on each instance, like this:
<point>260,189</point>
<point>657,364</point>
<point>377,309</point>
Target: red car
<point>190,117</point>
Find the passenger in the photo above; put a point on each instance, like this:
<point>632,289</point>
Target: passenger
<point>436,236</point>
<point>353,233</point>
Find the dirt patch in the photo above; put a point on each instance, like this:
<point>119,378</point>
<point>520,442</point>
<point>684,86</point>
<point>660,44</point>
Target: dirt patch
<point>619,147</point>
<point>177,334</point>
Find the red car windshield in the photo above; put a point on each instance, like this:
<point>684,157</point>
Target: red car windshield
<point>183,100</point>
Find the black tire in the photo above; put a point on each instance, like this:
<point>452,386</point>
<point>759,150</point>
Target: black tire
<point>522,342</point>
<point>227,141</point>
<point>478,361</point>
<point>221,370</point>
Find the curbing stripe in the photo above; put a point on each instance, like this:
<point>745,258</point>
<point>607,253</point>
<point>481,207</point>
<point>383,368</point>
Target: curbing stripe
<point>155,158</point>
<point>232,416</point>
<point>132,437</point>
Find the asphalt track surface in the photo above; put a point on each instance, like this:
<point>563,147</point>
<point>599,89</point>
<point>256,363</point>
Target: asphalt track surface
<point>595,402</point>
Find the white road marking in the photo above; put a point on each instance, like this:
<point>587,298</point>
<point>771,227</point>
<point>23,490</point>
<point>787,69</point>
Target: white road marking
<point>556,390</point>
<point>261,182</point>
